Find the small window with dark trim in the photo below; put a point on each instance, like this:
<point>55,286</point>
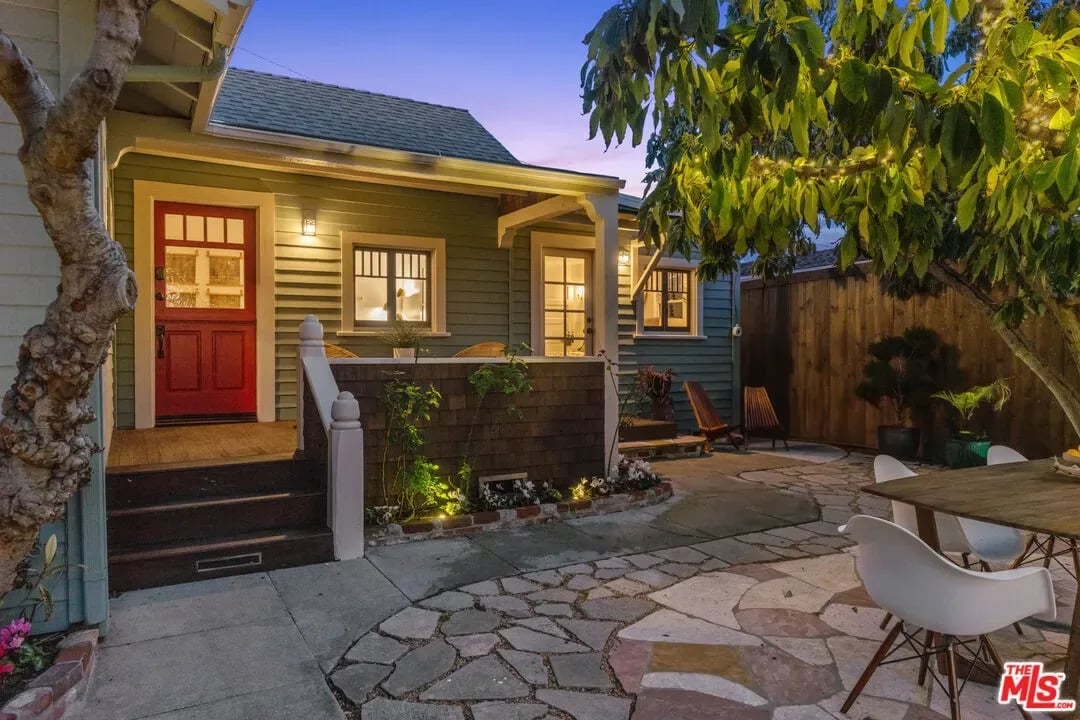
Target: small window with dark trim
<point>666,301</point>
<point>391,285</point>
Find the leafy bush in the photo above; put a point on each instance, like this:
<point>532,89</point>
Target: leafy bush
<point>903,370</point>
<point>966,403</point>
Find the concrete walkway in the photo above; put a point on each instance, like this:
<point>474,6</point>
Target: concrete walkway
<point>260,646</point>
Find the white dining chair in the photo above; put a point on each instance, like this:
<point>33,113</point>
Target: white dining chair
<point>988,542</point>
<point>1037,549</point>
<point>950,535</point>
<point>953,605</point>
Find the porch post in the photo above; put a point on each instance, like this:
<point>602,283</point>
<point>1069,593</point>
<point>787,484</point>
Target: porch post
<point>311,345</point>
<point>345,495</point>
<point>603,210</point>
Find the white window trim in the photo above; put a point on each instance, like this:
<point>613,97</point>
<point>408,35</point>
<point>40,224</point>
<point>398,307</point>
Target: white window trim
<point>436,246</point>
<point>697,300</point>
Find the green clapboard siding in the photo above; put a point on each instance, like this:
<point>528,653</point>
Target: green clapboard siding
<point>308,270</point>
<point>711,361</point>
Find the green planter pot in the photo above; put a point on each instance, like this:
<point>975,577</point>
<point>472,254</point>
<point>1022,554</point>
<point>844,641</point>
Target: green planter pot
<point>966,453</point>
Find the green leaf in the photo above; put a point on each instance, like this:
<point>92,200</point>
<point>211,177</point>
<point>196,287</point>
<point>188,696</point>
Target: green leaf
<point>959,9</point>
<point>1021,37</point>
<point>890,241</point>
<point>880,8</point>
<point>992,125</point>
<point>1067,174</point>
<point>849,248</point>
<point>677,6</point>
<point>799,133</point>
<point>1054,75</point>
<point>815,39</point>
<point>50,550</point>
<point>742,158</point>
<point>941,25</point>
<point>965,210</point>
<point>853,76</point>
<point>1061,120</point>
<point>864,224</point>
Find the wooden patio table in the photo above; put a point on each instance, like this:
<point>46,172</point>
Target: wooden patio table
<point>1028,495</point>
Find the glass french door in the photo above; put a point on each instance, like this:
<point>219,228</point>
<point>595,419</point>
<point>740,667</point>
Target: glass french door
<point>568,328</point>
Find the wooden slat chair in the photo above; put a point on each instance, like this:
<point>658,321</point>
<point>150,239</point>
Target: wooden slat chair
<point>709,423</point>
<point>483,350</point>
<point>759,417</point>
<point>336,352</point>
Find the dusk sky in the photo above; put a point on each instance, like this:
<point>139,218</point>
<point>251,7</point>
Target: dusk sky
<point>514,65</point>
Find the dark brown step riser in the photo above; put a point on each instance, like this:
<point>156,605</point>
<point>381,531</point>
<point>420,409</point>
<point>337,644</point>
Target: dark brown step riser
<point>172,524</point>
<point>161,486</point>
<point>155,572</point>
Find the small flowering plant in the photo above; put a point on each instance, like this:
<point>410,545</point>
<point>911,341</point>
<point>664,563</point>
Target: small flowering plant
<point>505,494</point>
<point>20,657</point>
<point>627,474</point>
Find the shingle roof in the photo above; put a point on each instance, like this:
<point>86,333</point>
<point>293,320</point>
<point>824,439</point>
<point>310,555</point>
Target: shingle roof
<point>629,203</point>
<point>818,259</point>
<point>275,103</point>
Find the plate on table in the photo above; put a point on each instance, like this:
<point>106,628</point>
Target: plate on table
<point>1068,465</point>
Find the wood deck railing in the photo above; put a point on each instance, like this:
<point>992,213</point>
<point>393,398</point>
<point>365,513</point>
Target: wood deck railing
<point>340,416</point>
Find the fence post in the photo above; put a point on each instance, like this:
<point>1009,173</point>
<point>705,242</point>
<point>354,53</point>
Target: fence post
<point>311,345</point>
<point>345,491</point>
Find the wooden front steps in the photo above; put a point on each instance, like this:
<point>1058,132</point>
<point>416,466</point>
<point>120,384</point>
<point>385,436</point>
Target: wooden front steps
<point>170,525</point>
<point>681,446</point>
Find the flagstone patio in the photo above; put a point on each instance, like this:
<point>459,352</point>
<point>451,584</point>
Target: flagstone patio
<point>625,638</point>
<point>736,599</point>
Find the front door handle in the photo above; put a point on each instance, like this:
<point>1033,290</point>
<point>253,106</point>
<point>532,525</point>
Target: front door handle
<point>159,333</point>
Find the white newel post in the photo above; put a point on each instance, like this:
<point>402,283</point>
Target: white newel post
<point>311,345</point>
<point>346,482</point>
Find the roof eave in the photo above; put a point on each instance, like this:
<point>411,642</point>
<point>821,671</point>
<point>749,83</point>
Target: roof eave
<point>226,34</point>
<point>511,176</point>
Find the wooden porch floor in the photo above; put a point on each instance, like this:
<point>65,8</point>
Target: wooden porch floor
<point>200,445</point>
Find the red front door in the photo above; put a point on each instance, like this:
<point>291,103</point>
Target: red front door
<point>204,312</point>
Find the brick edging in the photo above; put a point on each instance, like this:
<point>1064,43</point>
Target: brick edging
<point>514,517</point>
<point>54,692</point>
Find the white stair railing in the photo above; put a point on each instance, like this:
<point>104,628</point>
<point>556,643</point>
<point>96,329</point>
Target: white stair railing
<point>340,416</point>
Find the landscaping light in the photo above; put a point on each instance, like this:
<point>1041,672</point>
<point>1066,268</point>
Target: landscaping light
<point>308,226</point>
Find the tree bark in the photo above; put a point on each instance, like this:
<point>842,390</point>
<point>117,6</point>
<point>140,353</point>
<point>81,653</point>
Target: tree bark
<point>45,452</point>
<point>1055,381</point>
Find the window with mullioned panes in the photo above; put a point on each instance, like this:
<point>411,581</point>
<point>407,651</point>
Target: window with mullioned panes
<point>391,285</point>
<point>666,301</point>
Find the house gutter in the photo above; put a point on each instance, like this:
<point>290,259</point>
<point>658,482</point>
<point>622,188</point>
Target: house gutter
<point>557,182</point>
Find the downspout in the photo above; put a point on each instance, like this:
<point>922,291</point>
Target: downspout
<point>510,297</point>
<point>182,74</point>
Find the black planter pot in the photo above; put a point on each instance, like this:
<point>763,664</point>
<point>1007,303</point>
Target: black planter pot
<point>900,442</point>
<point>960,453</point>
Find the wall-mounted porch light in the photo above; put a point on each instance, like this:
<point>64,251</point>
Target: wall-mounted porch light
<point>308,225</point>
<point>624,257</point>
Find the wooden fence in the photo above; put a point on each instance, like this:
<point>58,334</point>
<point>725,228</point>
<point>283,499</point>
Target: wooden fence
<point>805,339</point>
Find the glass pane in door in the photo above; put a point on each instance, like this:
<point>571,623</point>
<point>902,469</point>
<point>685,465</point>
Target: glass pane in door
<point>566,304</point>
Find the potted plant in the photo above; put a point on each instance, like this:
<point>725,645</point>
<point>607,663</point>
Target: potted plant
<point>403,337</point>
<point>656,385</point>
<point>968,445</point>
<point>902,371</point>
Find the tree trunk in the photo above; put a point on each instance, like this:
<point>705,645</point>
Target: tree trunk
<point>1055,381</point>
<point>45,453</point>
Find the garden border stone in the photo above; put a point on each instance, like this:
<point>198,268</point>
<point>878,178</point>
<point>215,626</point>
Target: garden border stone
<point>470,523</point>
<point>53,693</point>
